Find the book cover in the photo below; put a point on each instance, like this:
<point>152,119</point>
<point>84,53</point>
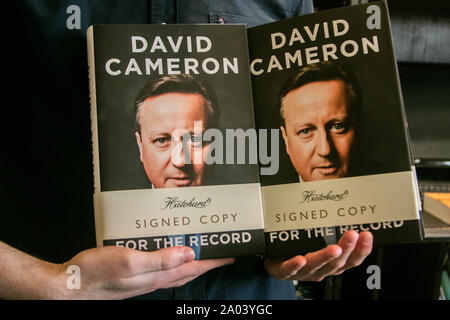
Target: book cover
<point>169,106</point>
<point>326,86</point>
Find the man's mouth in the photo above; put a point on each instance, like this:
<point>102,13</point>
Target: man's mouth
<point>181,181</point>
<point>327,169</point>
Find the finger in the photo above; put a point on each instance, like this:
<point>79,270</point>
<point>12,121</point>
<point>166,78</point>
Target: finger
<point>173,284</point>
<point>163,259</point>
<point>347,243</point>
<point>179,283</point>
<point>186,271</point>
<point>196,268</point>
<point>316,260</point>
<point>283,269</point>
<point>362,249</point>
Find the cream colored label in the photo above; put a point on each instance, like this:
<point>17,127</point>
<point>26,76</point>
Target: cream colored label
<point>139,213</point>
<point>326,203</point>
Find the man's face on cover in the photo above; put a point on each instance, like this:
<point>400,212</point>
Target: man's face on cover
<point>164,119</point>
<point>318,131</point>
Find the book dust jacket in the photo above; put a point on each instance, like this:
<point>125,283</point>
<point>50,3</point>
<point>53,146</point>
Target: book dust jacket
<point>327,86</point>
<point>168,106</point>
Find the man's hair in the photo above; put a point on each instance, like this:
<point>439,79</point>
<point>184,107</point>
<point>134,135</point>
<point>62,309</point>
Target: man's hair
<point>322,71</point>
<point>180,83</point>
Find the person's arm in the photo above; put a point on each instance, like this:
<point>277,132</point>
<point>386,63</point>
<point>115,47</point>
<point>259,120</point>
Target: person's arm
<point>349,252</point>
<point>105,273</point>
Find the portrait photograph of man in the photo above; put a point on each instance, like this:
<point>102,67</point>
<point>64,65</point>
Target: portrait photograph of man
<point>318,111</point>
<point>334,122</point>
<point>166,113</point>
<point>148,112</point>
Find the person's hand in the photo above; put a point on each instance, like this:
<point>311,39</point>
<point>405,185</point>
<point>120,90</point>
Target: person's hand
<point>117,272</point>
<point>349,252</point>
<point>104,273</point>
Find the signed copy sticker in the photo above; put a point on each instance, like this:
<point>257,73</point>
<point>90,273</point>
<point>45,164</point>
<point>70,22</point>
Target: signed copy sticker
<point>356,200</point>
<point>174,211</point>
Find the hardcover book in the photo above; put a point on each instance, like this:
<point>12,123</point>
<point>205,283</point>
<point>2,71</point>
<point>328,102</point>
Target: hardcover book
<point>326,85</point>
<point>169,104</point>
<point>176,143</point>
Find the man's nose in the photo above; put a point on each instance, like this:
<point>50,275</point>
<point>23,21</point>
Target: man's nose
<point>179,156</point>
<point>323,143</point>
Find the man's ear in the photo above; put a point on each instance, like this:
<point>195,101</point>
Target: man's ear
<point>139,142</point>
<point>285,138</point>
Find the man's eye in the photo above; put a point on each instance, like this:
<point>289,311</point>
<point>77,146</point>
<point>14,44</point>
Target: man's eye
<point>305,131</point>
<point>161,141</point>
<point>339,127</point>
<point>196,140</point>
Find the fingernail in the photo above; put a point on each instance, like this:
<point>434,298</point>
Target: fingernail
<point>367,238</point>
<point>354,237</point>
<point>301,265</point>
<point>335,253</point>
<point>351,242</point>
<point>189,254</point>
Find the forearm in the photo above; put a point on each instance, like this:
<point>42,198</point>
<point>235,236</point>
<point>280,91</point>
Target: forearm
<point>25,277</point>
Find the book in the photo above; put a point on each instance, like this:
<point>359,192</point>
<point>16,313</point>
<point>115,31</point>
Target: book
<point>169,105</point>
<point>327,88</point>
<point>438,205</point>
<point>279,139</point>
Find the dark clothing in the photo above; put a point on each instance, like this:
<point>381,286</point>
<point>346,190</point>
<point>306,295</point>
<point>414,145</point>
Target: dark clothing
<point>47,158</point>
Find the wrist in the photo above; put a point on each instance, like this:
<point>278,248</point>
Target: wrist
<point>23,276</point>
<point>56,287</point>
<point>32,279</point>
<point>46,281</point>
